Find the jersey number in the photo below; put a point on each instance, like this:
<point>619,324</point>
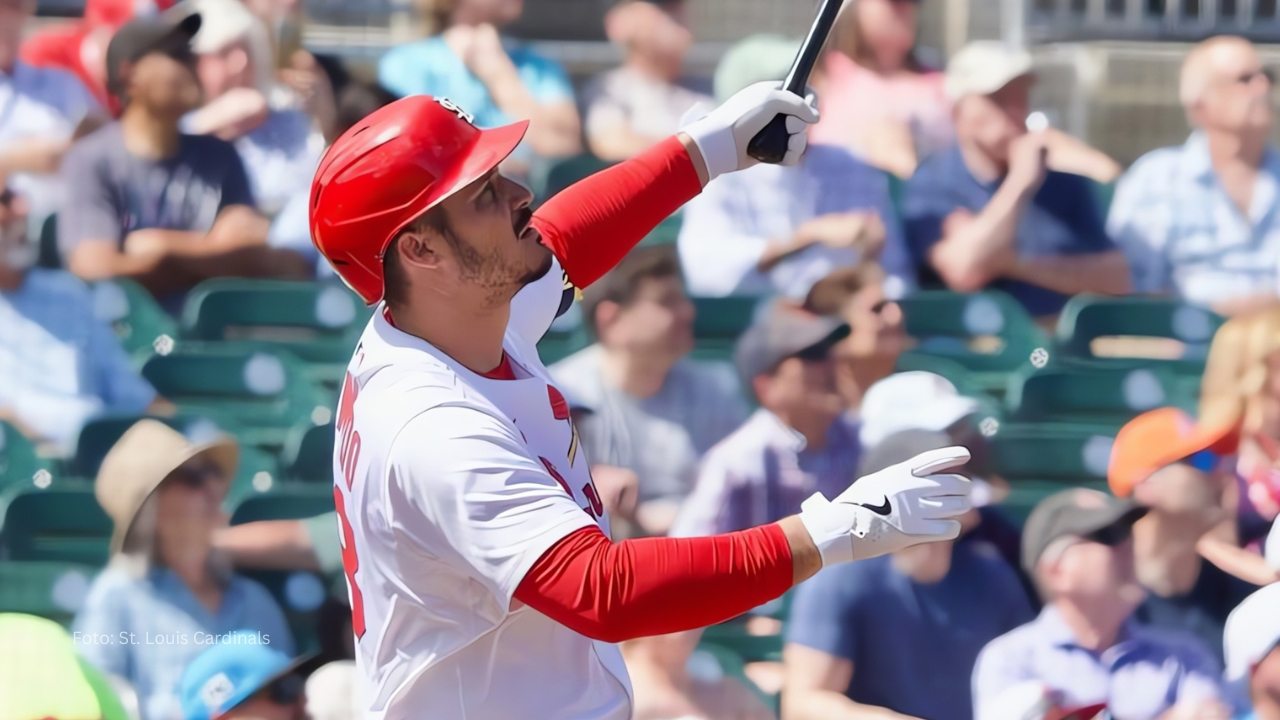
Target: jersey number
<point>348,455</point>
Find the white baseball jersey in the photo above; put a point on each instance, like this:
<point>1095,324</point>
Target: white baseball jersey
<point>449,487</point>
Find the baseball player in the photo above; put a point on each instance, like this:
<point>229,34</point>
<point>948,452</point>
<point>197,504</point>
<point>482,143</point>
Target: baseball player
<point>482,579</point>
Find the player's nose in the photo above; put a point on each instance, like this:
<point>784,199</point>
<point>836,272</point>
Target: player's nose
<point>517,194</point>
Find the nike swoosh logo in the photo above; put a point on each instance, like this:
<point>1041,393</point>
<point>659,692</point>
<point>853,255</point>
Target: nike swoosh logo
<point>882,509</point>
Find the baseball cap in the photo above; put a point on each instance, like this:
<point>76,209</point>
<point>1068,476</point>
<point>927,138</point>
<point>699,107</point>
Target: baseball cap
<point>784,330</point>
<point>753,59</point>
<point>906,444</point>
<point>232,671</point>
<point>984,66</point>
<point>224,22</point>
<point>1033,700</point>
<point>914,400</point>
<point>170,33</point>
<point>1251,632</point>
<point>1158,438</point>
<point>1079,512</point>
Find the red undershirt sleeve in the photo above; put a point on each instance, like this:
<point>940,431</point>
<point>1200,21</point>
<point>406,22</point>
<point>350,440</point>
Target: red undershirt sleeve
<point>652,586</point>
<point>592,224</point>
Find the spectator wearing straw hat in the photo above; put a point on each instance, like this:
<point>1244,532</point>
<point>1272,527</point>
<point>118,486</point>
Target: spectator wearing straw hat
<point>166,595</point>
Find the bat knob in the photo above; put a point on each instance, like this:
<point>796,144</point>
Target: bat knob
<point>770,144</point>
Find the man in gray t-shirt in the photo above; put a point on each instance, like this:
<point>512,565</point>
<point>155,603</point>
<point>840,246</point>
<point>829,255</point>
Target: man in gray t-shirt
<point>149,203</point>
<point>652,410</point>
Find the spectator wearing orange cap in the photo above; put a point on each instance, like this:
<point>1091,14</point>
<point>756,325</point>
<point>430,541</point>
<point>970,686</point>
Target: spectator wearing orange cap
<point>1179,470</point>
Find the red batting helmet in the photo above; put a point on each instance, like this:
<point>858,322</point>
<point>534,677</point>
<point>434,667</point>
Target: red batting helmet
<point>389,168</point>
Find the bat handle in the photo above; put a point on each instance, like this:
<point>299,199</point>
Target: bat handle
<point>770,144</point>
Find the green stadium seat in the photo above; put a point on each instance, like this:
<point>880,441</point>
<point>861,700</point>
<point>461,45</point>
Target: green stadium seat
<point>731,665</point>
<point>666,233</point>
<point>719,323</point>
<point>987,333</point>
<point>50,257</point>
<point>53,590</point>
<point>1103,194</point>
<point>19,461</point>
<point>1100,395</point>
<point>261,393</point>
<point>285,501</point>
<point>1087,318</point>
<point>308,454</point>
<point>138,320</point>
<point>319,323</point>
<point>733,635</point>
<point>1053,451</point>
<point>62,523</point>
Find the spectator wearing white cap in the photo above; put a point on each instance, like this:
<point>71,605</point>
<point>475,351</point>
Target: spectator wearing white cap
<point>280,147</point>
<point>774,229</point>
<point>1009,208</point>
<point>1251,645</point>
<point>858,635</point>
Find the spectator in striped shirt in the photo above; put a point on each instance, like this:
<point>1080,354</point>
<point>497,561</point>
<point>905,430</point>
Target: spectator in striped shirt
<point>1200,221</point>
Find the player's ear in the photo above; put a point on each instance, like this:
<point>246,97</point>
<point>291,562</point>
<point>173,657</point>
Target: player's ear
<point>420,249</point>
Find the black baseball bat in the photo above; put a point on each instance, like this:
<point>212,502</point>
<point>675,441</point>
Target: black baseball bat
<point>770,144</point>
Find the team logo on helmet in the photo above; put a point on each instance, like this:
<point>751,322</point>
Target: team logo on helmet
<point>449,105</point>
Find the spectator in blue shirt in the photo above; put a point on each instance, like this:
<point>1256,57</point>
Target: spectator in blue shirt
<point>862,636</point>
<point>1200,221</point>
<point>166,595</point>
<point>1086,647</point>
<point>1252,647</point>
<point>61,364</point>
<point>1007,208</point>
<point>498,80</point>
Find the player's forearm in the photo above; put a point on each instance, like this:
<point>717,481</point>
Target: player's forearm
<point>594,223</point>
<point>654,586</point>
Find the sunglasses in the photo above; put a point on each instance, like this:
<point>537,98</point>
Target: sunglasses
<point>1204,461</point>
<point>1112,535</point>
<point>814,353</point>
<point>194,477</point>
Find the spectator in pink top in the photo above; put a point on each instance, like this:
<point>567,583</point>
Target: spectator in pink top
<point>878,99</point>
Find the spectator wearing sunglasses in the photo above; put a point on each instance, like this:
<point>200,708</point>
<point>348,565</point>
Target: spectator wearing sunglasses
<point>1086,647</point>
<point>1175,468</point>
<point>799,441</point>
<point>1198,221</point>
<point>242,678</point>
<point>166,594</point>
<point>61,364</point>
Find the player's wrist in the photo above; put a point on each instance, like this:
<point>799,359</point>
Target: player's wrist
<point>715,143</point>
<point>831,527</point>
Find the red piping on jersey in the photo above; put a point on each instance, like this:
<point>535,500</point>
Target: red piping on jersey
<point>652,586</point>
<point>592,224</point>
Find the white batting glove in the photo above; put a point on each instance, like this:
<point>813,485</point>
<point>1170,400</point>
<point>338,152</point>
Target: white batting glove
<point>902,505</point>
<point>722,134</point>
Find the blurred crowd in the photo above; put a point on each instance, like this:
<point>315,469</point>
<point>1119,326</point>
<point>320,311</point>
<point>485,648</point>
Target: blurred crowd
<point>168,145</point>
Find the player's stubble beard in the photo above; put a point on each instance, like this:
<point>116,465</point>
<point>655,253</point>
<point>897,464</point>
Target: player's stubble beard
<point>498,275</point>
